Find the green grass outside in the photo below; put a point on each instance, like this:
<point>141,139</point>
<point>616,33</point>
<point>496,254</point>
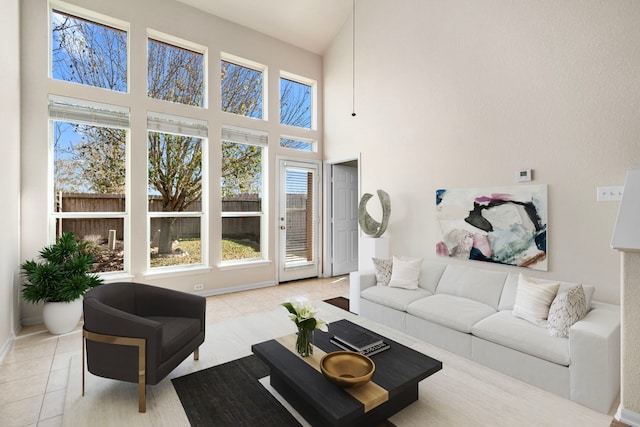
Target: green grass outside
<point>190,252</point>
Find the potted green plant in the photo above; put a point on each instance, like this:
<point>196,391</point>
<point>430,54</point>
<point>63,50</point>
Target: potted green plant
<point>60,279</point>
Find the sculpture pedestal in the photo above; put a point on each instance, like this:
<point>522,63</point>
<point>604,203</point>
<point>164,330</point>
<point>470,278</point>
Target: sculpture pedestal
<point>370,247</point>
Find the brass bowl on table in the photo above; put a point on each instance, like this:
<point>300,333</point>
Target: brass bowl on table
<point>347,369</point>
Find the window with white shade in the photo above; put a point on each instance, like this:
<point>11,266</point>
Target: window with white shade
<point>176,212</point>
<point>89,192</point>
<point>242,195</point>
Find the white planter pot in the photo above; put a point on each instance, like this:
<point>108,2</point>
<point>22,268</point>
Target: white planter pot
<point>62,317</point>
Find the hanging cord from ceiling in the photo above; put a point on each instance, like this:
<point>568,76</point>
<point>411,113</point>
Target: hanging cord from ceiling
<point>353,60</point>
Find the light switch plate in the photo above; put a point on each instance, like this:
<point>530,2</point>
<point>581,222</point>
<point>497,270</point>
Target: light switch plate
<point>610,194</point>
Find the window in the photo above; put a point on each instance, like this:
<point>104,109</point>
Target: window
<point>241,89</point>
<point>297,144</point>
<point>88,52</point>
<point>89,177</point>
<point>295,103</point>
<point>175,74</point>
<point>242,183</point>
<point>175,190</point>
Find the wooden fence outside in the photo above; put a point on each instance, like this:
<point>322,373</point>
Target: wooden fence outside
<point>241,228</point>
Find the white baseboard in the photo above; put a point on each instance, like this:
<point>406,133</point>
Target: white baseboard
<point>628,417</point>
<point>5,347</point>
<point>221,291</point>
<point>35,320</point>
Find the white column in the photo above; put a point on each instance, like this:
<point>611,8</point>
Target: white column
<point>629,411</point>
<point>626,239</point>
<point>368,247</point>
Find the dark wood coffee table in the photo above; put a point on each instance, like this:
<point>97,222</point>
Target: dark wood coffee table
<point>398,370</point>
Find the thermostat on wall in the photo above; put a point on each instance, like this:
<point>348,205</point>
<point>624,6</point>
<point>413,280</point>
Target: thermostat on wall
<point>524,175</point>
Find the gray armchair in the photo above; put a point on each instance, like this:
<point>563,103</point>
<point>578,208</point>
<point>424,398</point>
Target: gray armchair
<point>139,333</point>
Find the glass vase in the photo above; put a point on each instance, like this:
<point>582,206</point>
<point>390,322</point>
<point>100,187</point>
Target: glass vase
<point>304,342</point>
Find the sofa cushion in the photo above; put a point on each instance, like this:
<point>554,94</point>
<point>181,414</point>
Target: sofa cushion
<point>566,309</point>
<point>176,333</point>
<point>481,285</point>
<point>405,273</point>
<point>450,311</point>
<point>508,298</point>
<point>533,300</point>
<point>430,274</point>
<point>396,298</point>
<point>383,269</point>
<point>510,331</point>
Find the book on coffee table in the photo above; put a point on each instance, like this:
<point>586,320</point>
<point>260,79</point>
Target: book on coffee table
<point>359,340</point>
<point>368,351</point>
<point>356,338</point>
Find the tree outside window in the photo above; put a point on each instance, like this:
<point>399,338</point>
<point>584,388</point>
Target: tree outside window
<point>296,144</point>
<point>90,158</point>
<point>295,103</point>
<point>241,89</point>
<point>175,199</point>
<point>89,181</point>
<point>87,52</point>
<point>242,192</point>
<point>175,74</point>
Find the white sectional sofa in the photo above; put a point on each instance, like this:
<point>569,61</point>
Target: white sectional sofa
<point>468,311</point>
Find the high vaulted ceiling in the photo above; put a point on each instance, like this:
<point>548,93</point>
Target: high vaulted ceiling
<point>309,24</point>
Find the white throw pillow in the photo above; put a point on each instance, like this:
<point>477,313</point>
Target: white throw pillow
<point>533,300</point>
<point>567,308</point>
<point>405,273</point>
<point>383,270</point>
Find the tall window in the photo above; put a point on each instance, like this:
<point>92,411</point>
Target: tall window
<point>176,210</point>
<point>297,110</point>
<point>295,103</point>
<point>175,74</point>
<point>88,52</point>
<point>89,177</point>
<point>242,183</point>
<point>242,90</point>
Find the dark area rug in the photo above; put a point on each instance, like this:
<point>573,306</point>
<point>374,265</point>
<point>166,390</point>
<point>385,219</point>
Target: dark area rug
<point>230,395</point>
<point>616,423</point>
<point>340,302</point>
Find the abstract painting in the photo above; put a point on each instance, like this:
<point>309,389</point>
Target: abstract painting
<point>505,225</point>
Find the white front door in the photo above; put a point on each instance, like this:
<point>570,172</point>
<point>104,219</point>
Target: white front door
<point>344,216</point>
<point>298,220</point>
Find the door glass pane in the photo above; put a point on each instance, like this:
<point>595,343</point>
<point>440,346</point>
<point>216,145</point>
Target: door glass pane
<point>300,216</point>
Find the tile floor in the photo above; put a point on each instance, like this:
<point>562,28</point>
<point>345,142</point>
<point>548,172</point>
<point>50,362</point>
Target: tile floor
<point>35,370</point>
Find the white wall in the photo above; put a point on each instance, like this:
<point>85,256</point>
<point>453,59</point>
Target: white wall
<point>461,93</point>
<point>10,167</point>
<point>178,20</point>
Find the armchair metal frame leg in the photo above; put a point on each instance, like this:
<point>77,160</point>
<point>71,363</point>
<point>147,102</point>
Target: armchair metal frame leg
<point>141,343</point>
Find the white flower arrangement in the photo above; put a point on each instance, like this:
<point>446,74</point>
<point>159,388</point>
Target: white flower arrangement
<point>306,318</point>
